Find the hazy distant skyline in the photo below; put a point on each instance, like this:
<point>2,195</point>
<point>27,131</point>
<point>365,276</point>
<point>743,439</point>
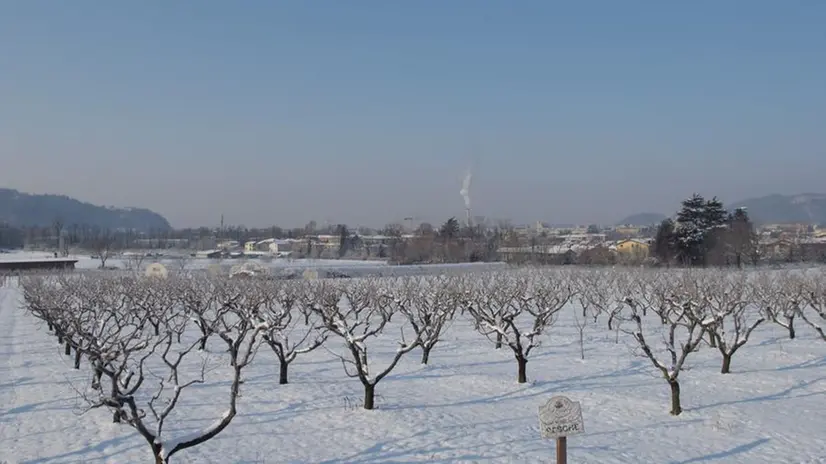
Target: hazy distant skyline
<point>366,112</point>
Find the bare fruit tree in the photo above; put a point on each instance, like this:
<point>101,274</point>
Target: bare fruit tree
<point>677,325</point>
<point>140,374</point>
<point>730,317</point>
<point>428,303</point>
<point>491,294</point>
<point>779,296</point>
<point>182,263</point>
<point>134,261</point>
<point>293,328</point>
<point>593,290</point>
<point>813,312</point>
<point>103,245</point>
<point>358,311</point>
<point>533,299</point>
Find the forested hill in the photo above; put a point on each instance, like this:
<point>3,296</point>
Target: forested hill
<point>19,209</point>
<point>642,219</point>
<point>807,208</point>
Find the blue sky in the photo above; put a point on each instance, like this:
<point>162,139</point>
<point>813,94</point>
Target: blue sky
<point>366,112</point>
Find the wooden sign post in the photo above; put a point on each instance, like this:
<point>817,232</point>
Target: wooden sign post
<point>559,418</point>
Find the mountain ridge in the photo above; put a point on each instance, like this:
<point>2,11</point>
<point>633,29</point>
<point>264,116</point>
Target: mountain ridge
<point>21,209</point>
<point>775,208</point>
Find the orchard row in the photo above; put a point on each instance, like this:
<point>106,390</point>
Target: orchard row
<point>121,327</point>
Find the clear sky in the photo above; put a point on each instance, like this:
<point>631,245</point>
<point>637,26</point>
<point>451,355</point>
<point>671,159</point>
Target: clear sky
<point>365,112</point>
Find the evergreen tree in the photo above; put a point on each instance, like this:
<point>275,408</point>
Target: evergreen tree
<point>715,223</point>
<point>690,231</point>
<point>343,237</point>
<point>665,242</point>
<point>699,224</point>
<point>450,229</point>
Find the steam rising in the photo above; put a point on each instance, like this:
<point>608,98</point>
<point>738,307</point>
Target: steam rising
<point>465,192</point>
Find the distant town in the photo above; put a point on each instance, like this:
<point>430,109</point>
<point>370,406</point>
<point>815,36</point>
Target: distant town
<point>453,241</point>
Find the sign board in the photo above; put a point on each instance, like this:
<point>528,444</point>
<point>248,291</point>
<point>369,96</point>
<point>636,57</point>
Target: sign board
<point>560,417</point>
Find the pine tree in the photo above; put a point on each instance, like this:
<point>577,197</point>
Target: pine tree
<point>699,225</point>
<point>344,237</point>
<point>665,242</point>
<point>690,231</point>
<point>715,224</point>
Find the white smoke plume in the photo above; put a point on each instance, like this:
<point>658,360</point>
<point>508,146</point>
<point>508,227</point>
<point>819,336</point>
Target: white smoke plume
<point>465,192</point>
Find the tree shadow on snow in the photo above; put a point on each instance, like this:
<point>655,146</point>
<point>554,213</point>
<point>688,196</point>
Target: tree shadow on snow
<point>531,390</point>
<point>396,450</point>
<point>808,364</point>
<point>726,454</point>
<point>26,408</point>
<point>777,396</point>
<point>81,455</point>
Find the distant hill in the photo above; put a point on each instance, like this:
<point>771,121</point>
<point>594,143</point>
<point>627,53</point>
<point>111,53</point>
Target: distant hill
<point>23,209</point>
<point>779,209</point>
<point>642,219</point>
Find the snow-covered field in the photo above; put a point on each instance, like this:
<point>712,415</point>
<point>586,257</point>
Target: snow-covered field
<point>87,262</point>
<point>350,267</point>
<point>465,406</point>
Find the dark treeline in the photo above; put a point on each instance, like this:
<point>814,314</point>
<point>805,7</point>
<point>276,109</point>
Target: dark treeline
<point>451,242</point>
<point>705,234</point>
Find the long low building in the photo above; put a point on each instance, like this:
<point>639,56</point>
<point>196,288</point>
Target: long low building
<point>37,264</point>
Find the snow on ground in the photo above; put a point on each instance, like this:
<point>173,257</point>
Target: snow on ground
<point>351,267</point>
<point>87,262</point>
<point>463,407</point>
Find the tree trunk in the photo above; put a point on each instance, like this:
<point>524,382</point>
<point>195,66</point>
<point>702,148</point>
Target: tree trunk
<point>202,343</point>
<point>522,375</point>
<point>369,396</point>
<point>426,354</point>
<point>67,350</point>
<point>77,358</point>
<point>676,408</point>
<point>498,341</point>
<point>791,329</point>
<point>282,372</point>
<point>581,344</point>
<point>158,452</point>
<point>712,341</point>
<point>726,364</point>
